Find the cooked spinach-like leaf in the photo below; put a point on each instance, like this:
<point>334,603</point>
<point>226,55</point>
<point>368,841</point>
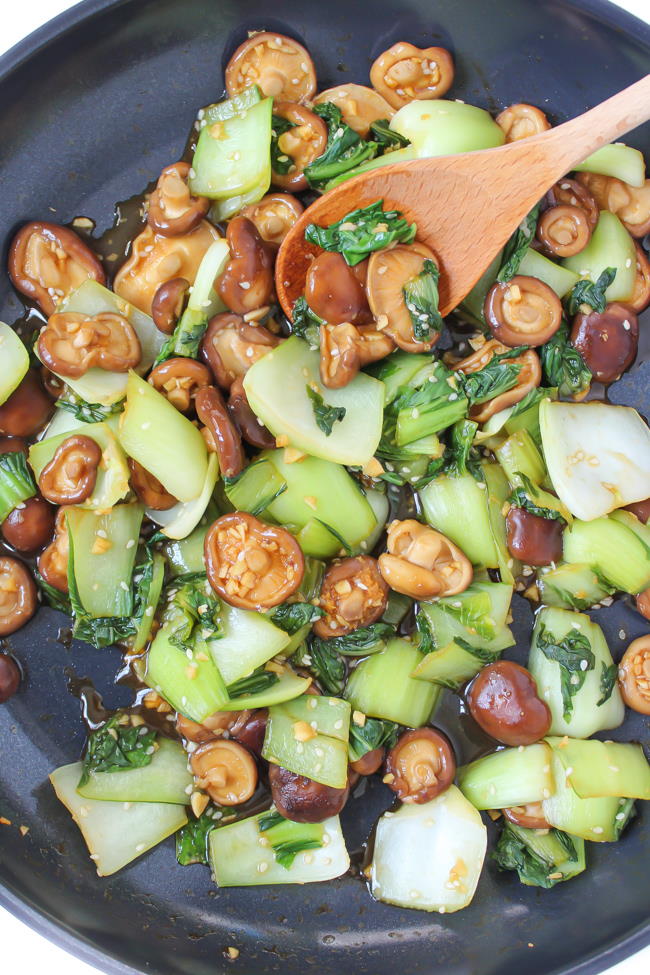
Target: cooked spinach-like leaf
<point>199,608</point>
<point>517,246</point>
<point>55,598</point>
<point>260,680</point>
<point>375,733</point>
<point>521,498</point>
<point>185,340</point>
<point>362,232</point>
<point>306,323</point>
<point>563,365</point>
<point>325,664</point>
<point>116,746</point>
<point>513,853</point>
<point>324,414</point>
<point>575,657</point>
<point>280,162</point>
<point>608,675</point>
<point>425,642</point>
<point>87,412</point>
<point>592,293</point>
<point>192,841</point>
<point>345,148</point>
<point>383,135</point>
<point>361,642</point>
<point>496,377</point>
<point>421,298</point>
<point>291,617</point>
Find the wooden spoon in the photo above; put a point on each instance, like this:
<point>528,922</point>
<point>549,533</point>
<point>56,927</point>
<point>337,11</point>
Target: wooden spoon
<point>465,206</point>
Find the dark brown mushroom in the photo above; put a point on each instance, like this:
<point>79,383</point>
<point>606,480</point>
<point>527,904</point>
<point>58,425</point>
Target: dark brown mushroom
<point>563,230</point>
<point>274,215</point>
<point>149,489</point>
<point>334,291</point>
<point>504,702</point>
<point>607,340</point>
<point>299,146</point>
<point>531,539</point>
<point>47,263</point>
<point>173,210</point>
<point>301,799</point>
<point>420,765</point>
<point>634,675</point>
<point>405,72</point>
<point>27,409</point>
<point>52,563</point>
<point>250,564</point>
<point>522,311</point>
<point>521,121</point>
<point>224,439</point>
<point>352,594</point>
<point>168,304</point>
<point>369,763</point>
<point>247,282</point>
<point>344,349</point>
<point>250,427</point>
<point>249,729</point>
<point>179,380</point>
<point>30,526</point>
<point>569,192</point>
<point>73,343</point>
<point>231,346</point>
<point>13,445</point>
<point>71,475</point>
<point>277,64</point>
<point>52,384</point>
<point>18,595</point>
<point>640,509</point>
<point>530,816</point>
<point>9,677</point>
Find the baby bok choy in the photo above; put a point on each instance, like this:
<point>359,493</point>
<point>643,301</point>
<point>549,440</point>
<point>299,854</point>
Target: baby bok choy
<point>15,361</point>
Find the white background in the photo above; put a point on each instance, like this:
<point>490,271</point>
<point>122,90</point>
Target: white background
<point>29,952</point>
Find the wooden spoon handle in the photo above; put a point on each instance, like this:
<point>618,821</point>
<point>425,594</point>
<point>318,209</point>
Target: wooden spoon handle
<point>571,143</point>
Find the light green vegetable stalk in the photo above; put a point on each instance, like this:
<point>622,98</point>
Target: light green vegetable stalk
<point>612,550</point>
<point>604,768</point>
<point>617,160</point>
<point>457,507</point>
<point>610,246</point>
<point>16,482</point>
<point>115,833</point>
<point>560,279</point>
<point>165,779</point>
<point>510,777</point>
<point>245,641</point>
<point>575,674</point>
<point>180,520</point>
<point>193,687</point>
<point>160,438</point>
<point>320,752</point>
<point>453,665</point>
<point>571,586</point>
<point>443,128</point>
<point>15,361</point>
<point>382,686</point>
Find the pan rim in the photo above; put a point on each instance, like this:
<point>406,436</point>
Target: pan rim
<point>60,934</point>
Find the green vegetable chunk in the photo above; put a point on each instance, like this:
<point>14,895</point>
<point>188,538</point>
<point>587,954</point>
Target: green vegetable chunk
<point>163,778</point>
<point>541,860</point>
<point>16,482</point>
<point>510,777</point>
<point>517,246</point>
<point>563,365</point>
<point>15,361</point>
<point>610,248</point>
<point>372,734</point>
<point>325,416</point>
<point>345,149</point>
<point>421,298</point>
<point>310,737</point>
<point>116,746</point>
<point>192,841</point>
<point>604,768</point>
<point>382,686</point>
<point>591,293</point>
<point>362,232</point>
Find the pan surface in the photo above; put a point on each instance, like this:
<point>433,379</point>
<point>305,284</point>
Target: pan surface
<point>92,107</point>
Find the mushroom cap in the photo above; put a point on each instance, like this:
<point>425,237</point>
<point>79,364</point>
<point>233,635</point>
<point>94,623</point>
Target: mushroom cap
<point>280,66</point>
<point>388,272</point>
<point>359,105</point>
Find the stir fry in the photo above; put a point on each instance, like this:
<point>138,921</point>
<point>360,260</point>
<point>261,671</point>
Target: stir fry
<point>305,534</point>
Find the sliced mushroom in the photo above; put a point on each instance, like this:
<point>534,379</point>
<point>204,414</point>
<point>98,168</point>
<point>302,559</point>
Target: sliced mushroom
<point>47,263</point>
<point>149,489</point>
<point>13,445</point>
<point>9,677</point>
<point>352,594</point>
<point>569,192</point>
<point>247,282</point>
<point>530,376</point>
<point>168,303</point>
<point>530,816</point>
<point>563,230</point>
<point>405,72</point>
<point>251,564</point>
<point>522,311</point>
<point>521,121</point>
<point>72,343</point>
<point>70,476</point>
<point>249,729</point>
<point>225,440</point>
<point>531,539</point>
<point>231,346</point>
<point>360,106</point>
<point>631,204</point>
<point>277,64</point>
<point>156,259</point>
<point>52,563</point>
<point>250,427</point>
<point>179,380</point>
<point>641,296</point>
<point>18,595</point>
<point>634,675</point>
<point>422,562</point>
<point>53,385</point>
<point>299,146</point>
<point>210,728</point>
<point>335,292</point>
<point>388,271</point>
<point>420,766</point>
<point>274,215</point>
<point>607,340</point>
<point>226,770</point>
<point>344,349</point>
<point>301,799</point>
<point>30,526</point>
<point>173,210</point>
<point>27,409</point>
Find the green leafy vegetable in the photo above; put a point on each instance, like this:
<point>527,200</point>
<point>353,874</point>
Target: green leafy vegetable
<point>375,733</point>
<point>199,610</point>
<point>306,323</point>
<point>291,617</point>
<point>345,149</point>
<point>192,841</point>
<point>459,457</point>
<point>517,246</point>
<point>116,746</point>
<point>575,657</point>
<point>287,838</point>
<point>87,412</point>
<point>608,677</point>
<point>385,137</point>
<point>16,482</point>
<point>102,631</point>
<point>285,853</point>
<point>421,298</point>
<point>185,340</point>
<point>522,499</point>
<point>260,680</point>
<point>425,642</point>
<point>325,664</point>
<point>487,656</point>
<point>361,642</point>
<point>563,365</point>
<point>337,535</point>
<point>513,853</point>
<point>362,232</point>
<point>590,293</point>
<point>280,162</point>
<point>55,598</point>
<point>496,377</point>
<point>324,414</point>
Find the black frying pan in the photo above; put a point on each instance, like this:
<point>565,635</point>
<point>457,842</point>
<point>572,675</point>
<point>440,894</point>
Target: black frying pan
<point>92,107</point>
